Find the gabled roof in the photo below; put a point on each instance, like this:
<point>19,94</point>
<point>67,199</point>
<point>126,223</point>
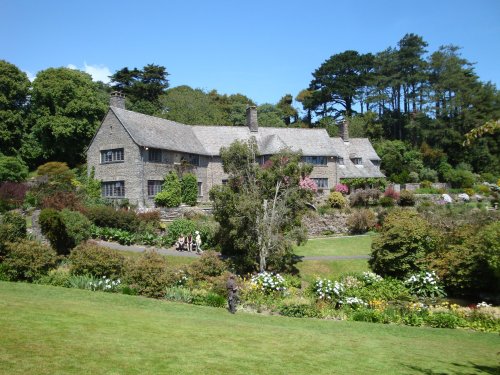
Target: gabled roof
<point>359,148</point>
<point>155,132</point>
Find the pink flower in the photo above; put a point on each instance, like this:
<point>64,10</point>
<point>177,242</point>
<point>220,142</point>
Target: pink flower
<point>307,183</point>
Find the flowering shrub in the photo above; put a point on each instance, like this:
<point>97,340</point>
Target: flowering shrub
<point>268,282</point>
<point>425,284</point>
<point>482,304</point>
<point>341,188</point>
<point>370,278</point>
<point>327,289</point>
<point>391,193</point>
<point>353,302</point>
<point>307,183</point>
<point>105,285</point>
<point>337,200</point>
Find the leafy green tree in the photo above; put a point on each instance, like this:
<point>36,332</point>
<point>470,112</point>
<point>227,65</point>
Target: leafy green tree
<point>288,112</point>
<point>192,106</point>
<point>12,169</point>
<point>399,160</point>
<point>189,186</point>
<point>270,115</point>
<point>338,81</point>
<point>66,110</point>
<point>259,209</point>
<point>14,90</point>
<point>405,240</point>
<point>143,88</point>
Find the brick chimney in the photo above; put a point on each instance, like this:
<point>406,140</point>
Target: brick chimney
<point>117,99</point>
<point>252,122</point>
<point>344,130</point>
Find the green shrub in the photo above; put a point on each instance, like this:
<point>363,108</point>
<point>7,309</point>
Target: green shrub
<point>208,265</point>
<point>178,227</point>
<point>91,259</point>
<point>388,289</point>
<point>189,186</point>
<point>106,216</point>
<point>337,200</point>
<point>28,260</point>
<point>460,178</point>
<point>414,319</point>
<point>299,311</point>
<point>171,193</point>
<point>368,315</point>
<point>147,274</point>
<point>82,281</point>
<point>406,198</point>
<point>386,201</point>
<point>444,320</point>
<point>12,169</point>
<point>205,298</point>
<point>361,221</point>
<point>56,277</point>
<point>405,239</point>
<point>54,230</point>
<point>64,229</point>
<point>12,229</point>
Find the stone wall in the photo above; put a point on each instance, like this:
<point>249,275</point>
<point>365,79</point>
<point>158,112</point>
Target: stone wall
<point>317,225</point>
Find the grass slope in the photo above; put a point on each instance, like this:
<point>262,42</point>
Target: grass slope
<point>49,330</point>
<point>355,245</point>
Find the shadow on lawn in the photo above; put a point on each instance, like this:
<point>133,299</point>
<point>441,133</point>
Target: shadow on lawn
<point>461,369</point>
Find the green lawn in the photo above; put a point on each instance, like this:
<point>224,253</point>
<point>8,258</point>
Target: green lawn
<point>354,245</point>
<point>49,330</point>
<point>310,270</point>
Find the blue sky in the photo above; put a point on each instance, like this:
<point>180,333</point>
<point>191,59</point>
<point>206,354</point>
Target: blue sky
<point>262,49</point>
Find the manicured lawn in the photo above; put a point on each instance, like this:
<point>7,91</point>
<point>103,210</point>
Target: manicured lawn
<point>356,245</point>
<point>49,330</point>
<point>310,270</point>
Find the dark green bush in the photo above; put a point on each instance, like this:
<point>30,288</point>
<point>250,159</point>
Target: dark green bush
<point>209,299</point>
<point>405,240</point>
<point>387,289</point>
<point>171,193</point>
<point>406,198</point>
<point>147,274</point>
<point>28,260</point>
<point>64,229</point>
<point>361,221</point>
<point>299,311</point>
<point>189,185</point>
<point>56,277</point>
<point>54,230</point>
<point>106,216</point>
<point>12,229</point>
<point>91,259</point>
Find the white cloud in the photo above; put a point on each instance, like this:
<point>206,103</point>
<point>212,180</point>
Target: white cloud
<point>98,72</point>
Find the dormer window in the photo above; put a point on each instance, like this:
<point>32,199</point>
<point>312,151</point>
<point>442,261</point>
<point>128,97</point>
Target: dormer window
<point>357,161</point>
<point>376,163</point>
<point>340,160</point>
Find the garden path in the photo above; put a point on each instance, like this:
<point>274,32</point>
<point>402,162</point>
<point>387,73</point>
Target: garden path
<point>173,252</point>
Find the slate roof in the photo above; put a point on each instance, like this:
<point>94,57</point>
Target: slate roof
<point>155,132</point>
<point>356,148</point>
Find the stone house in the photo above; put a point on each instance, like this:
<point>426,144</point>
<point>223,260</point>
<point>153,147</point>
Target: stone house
<point>131,152</point>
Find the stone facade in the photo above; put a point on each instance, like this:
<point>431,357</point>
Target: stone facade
<point>130,149</point>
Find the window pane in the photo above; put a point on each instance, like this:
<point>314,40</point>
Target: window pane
<point>321,182</point>
<point>109,156</point>
<point>154,155</point>
<point>154,187</point>
<point>200,191</point>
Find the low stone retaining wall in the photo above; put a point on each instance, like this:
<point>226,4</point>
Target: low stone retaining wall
<point>318,225</point>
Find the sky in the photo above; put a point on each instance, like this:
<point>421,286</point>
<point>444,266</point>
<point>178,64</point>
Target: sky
<point>261,49</point>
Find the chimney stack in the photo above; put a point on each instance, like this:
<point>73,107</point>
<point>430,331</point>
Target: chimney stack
<point>344,130</point>
<point>252,122</point>
<point>117,99</point>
